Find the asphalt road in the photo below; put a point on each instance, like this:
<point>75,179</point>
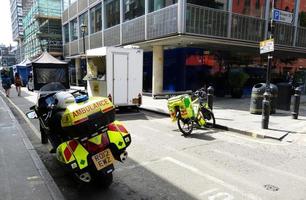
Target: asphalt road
<point>210,164</point>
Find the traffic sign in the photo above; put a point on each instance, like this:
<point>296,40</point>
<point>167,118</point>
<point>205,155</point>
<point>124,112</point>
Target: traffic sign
<point>282,16</point>
<point>266,46</point>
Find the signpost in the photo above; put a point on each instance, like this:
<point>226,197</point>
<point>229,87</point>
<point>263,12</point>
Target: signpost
<point>266,46</point>
<point>282,16</point>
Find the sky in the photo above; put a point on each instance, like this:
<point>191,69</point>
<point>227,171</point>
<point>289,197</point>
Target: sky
<point>5,23</point>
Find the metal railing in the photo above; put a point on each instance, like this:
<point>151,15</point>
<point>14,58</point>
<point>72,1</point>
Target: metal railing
<point>301,37</point>
<point>283,34</point>
<point>247,28</point>
<point>162,22</point>
<point>206,21</point>
<point>96,40</point>
<point>74,48</point>
<point>199,20</point>
<point>112,36</point>
<point>133,30</point>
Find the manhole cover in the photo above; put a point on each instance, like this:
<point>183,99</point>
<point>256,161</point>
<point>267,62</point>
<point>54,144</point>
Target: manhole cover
<point>271,187</point>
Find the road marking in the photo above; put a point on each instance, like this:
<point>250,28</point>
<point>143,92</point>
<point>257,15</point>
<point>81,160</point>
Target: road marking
<point>208,191</point>
<point>193,170</point>
<point>37,133</point>
<point>252,162</point>
<point>212,178</point>
<point>225,196</point>
<point>142,164</point>
<point>211,167</point>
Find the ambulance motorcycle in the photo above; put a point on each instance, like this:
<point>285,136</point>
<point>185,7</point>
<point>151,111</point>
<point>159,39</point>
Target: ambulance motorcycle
<point>82,131</point>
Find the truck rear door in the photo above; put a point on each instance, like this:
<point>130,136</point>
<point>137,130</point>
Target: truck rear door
<point>120,73</point>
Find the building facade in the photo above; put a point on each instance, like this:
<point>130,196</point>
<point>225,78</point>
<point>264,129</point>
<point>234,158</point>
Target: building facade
<point>36,27</point>
<point>224,32</point>
<point>7,56</point>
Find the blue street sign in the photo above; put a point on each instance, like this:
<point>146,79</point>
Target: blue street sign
<point>276,15</point>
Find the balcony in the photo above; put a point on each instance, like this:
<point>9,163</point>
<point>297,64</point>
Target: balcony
<point>198,21</point>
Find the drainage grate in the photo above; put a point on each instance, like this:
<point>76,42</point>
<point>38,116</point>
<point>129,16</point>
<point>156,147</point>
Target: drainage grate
<point>272,188</point>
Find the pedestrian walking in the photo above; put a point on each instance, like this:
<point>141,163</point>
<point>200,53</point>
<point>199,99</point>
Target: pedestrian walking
<point>18,83</point>
<point>6,83</point>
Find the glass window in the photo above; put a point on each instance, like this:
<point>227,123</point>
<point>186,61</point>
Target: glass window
<point>74,29</point>
<point>96,19</point>
<point>217,4</point>
<point>112,13</point>
<point>65,4</point>
<point>302,14</point>
<point>251,8</point>
<point>158,4</point>
<point>83,19</point>
<point>66,33</point>
<point>133,9</point>
<point>72,1</point>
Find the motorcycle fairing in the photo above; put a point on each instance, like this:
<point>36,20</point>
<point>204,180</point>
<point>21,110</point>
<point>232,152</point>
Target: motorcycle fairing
<point>72,150</point>
<point>118,135</point>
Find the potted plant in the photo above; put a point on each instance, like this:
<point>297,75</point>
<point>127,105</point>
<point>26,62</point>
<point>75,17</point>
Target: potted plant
<point>237,79</point>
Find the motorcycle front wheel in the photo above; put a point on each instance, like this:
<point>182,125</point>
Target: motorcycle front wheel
<point>185,125</point>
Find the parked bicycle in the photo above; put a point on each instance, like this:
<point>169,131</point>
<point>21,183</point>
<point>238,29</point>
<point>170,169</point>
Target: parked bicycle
<point>190,113</point>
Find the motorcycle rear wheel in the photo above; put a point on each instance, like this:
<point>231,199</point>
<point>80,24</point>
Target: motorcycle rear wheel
<point>185,126</point>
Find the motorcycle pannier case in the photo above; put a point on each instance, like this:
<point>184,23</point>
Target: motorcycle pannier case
<point>183,103</point>
<point>85,118</point>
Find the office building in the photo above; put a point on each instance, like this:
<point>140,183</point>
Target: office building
<point>187,42</point>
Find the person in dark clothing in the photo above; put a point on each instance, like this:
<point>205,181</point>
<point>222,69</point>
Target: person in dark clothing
<point>6,83</point>
<point>18,83</point>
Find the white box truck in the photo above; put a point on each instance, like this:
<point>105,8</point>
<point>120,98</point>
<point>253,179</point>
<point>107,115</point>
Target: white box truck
<point>116,73</point>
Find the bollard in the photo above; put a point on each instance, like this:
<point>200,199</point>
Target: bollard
<point>265,111</point>
<point>296,103</point>
<point>210,97</point>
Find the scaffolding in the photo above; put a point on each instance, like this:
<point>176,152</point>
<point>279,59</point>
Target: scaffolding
<point>42,29</point>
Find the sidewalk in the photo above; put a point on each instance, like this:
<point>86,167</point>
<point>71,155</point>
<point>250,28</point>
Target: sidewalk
<point>22,174</point>
<point>233,115</point>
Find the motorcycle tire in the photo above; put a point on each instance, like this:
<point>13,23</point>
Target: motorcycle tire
<point>43,135</point>
<point>185,126</point>
<point>209,118</point>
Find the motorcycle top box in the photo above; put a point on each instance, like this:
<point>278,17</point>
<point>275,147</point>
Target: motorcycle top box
<point>81,119</point>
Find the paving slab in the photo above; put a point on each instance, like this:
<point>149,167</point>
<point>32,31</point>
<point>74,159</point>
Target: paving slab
<point>234,115</point>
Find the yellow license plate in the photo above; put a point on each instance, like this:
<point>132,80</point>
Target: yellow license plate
<point>103,159</point>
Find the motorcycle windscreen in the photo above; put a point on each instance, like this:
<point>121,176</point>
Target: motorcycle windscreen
<point>46,74</point>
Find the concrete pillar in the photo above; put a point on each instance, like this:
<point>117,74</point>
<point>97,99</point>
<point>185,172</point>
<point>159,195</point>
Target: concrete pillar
<point>158,68</point>
<point>77,70</point>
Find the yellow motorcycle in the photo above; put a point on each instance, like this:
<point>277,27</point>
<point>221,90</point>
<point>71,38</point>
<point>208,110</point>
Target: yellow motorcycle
<point>191,113</point>
<point>82,131</point>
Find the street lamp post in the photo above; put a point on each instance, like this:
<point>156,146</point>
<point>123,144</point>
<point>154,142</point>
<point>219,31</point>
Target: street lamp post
<point>83,30</point>
<point>266,103</point>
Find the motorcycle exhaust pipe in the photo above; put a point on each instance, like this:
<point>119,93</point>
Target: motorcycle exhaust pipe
<point>85,177</point>
<point>123,156</point>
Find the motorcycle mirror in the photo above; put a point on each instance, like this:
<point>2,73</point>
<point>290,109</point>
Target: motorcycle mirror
<point>31,115</point>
